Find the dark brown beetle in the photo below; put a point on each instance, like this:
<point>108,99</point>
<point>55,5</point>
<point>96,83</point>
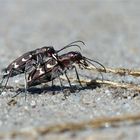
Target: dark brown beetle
<point>31,60</point>
<point>52,69</point>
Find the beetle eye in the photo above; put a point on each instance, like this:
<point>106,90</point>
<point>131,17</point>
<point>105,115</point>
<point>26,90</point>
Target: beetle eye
<point>50,51</point>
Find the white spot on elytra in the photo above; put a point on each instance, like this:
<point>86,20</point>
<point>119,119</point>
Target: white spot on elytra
<point>54,56</point>
<point>29,79</point>
<point>15,65</point>
<point>24,60</point>
<point>7,72</point>
<point>50,66</point>
<point>41,71</point>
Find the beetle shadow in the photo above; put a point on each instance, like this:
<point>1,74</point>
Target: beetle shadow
<point>56,89</point>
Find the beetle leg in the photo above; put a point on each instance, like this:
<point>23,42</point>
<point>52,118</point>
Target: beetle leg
<point>26,85</point>
<point>6,81</point>
<point>77,76</point>
<point>62,87</point>
<point>52,87</point>
<point>1,82</point>
<point>16,95</point>
<point>71,89</point>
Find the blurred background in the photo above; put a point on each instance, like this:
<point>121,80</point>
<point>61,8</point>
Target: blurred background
<point>110,28</point>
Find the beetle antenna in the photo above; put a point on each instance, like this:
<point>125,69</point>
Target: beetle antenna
<point>78,41</point>
<point>72,44</point>
<point>89,61</point>
<point>95,62</point>
<point>68,46</point>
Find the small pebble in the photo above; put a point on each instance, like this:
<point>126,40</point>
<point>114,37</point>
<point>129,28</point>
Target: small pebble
<point>107,125</point>
<point>129,97</point>
<point>98,99</point>
<point>107,91</point>
<point>33,104</point>
<point>26,108</point>
<point>12,102</point>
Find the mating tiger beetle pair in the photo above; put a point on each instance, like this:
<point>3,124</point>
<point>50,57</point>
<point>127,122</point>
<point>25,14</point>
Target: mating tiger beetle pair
<point>43,65</point>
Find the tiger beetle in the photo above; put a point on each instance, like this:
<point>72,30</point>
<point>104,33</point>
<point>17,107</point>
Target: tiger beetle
<point>31,61</point>
<point>53,69</point>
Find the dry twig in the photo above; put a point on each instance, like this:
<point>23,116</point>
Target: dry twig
<point>120,71</point>
<point>106,82</point>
